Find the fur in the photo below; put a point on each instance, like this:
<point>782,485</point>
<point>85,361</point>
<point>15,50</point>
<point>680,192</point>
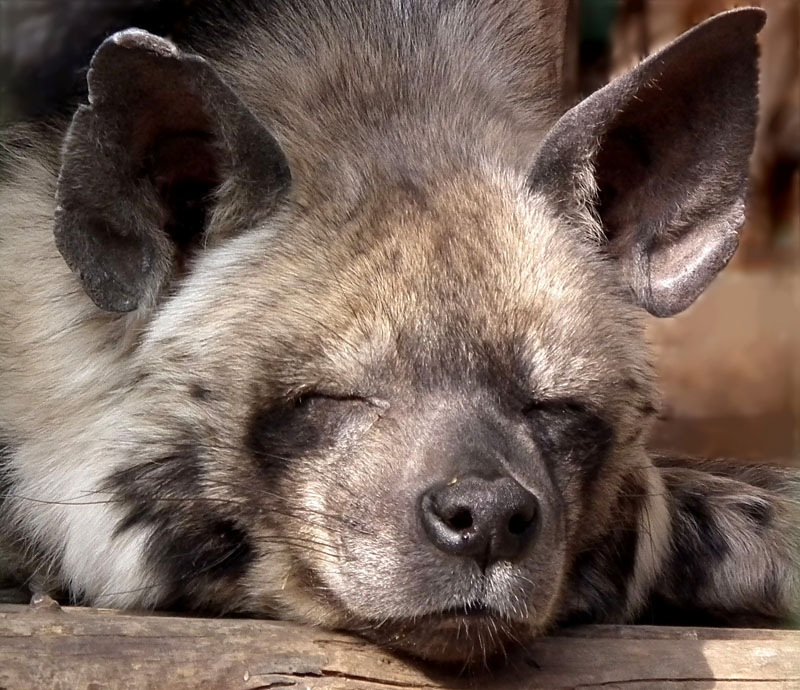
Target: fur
<point>255,435</point>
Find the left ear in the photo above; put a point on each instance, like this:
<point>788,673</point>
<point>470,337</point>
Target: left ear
<point>162,143</point>
<point>660,156</point>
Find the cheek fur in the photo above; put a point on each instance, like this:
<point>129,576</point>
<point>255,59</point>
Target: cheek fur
<point>196,541</point>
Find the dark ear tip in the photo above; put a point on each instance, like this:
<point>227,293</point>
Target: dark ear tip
<point>109,299</point>
<point>139,39</point>
<point>729,36</point>
<point>109,61</point>
<point>747,19</point>
<point>132,40</point>
<point>756,15</point>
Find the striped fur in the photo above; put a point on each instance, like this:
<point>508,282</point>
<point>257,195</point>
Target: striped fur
<point>414,305</point>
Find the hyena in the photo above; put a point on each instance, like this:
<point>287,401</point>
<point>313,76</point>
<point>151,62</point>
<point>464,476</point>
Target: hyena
<point>326,314</point>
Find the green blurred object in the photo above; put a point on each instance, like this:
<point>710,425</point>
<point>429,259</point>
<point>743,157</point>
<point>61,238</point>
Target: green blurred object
<point>597,18</point>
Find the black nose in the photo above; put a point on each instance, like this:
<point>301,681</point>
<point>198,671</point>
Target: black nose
<point>485,519</point>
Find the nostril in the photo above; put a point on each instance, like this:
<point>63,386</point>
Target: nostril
<point>484,519</point>
<point>520,522</point>
<point>451,525</point>
<point>460,520</point>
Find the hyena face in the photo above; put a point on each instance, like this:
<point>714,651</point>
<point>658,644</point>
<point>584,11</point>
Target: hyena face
<point>377,484</point>
<point>389,374</point>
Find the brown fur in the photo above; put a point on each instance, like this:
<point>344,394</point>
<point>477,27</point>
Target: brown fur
<point>255,437</point>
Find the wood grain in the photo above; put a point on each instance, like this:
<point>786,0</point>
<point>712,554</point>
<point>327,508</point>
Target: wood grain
<point>76,649</point>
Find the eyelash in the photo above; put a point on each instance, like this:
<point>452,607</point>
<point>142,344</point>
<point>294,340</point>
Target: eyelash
<point>308,397</point>
<point>558,406</point>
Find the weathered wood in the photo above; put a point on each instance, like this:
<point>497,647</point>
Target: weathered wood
<point>73,649</point>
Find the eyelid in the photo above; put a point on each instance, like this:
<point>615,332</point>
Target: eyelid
<point>309,395</point>
<point>554,405</point>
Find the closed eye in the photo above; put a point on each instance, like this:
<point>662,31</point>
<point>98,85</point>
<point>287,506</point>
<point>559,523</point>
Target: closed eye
<point>310,397</point>
<point>555,405</point>
<point>571,430</point>
<point>294,427</point>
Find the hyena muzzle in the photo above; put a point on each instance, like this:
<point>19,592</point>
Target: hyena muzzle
<point>327,315</point>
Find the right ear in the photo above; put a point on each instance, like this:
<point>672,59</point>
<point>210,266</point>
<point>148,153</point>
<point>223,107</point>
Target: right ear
<point>654,165</point>
<point>162,137</point>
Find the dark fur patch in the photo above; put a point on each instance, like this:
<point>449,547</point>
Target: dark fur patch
<point>699,547</point>
<point>200,549</point>
<point>5,477</point>
<point>154,487</point>
<point>647,409</point>
<point>602,573</point>
<point>568,429</point>
<point>759,513</point>
<point>665,611</point>
<point>193,541</point>
<point>280,432</point>
<point>633,385</point>
<point>699,543</point>
<point>290,429</point>
<point>200,392</point>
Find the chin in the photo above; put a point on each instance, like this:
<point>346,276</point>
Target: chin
<point>467,639</point>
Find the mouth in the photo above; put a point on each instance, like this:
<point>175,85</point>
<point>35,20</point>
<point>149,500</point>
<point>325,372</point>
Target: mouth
<point>472,617</point>
<point>467,611</point>
<point>467,635</point>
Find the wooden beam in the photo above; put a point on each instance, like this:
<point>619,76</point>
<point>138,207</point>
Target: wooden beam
<point>77,649</point>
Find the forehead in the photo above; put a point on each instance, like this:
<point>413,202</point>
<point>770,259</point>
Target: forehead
<point>461,281</point>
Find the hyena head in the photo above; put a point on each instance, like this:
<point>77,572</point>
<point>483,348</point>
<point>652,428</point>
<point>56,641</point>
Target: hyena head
<point>393,383</point>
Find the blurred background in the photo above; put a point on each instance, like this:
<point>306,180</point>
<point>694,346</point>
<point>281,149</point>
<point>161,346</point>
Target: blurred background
<point>730,365</point>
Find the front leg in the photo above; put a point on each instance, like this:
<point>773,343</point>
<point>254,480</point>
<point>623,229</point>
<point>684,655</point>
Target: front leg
<point>732,555</point>
<point>694,543</point>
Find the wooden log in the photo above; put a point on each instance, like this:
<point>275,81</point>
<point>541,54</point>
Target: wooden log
<point>89,649</point>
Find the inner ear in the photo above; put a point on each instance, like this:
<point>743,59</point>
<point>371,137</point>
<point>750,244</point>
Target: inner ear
<point>624,159</point>
<point>185,169</point>
<point>174,141</point>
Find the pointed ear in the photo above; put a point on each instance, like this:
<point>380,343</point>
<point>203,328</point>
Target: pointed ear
<point>161,140</point>
<point>656,161</point>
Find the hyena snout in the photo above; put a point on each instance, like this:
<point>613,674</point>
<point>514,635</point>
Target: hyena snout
<point>486,520</point>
